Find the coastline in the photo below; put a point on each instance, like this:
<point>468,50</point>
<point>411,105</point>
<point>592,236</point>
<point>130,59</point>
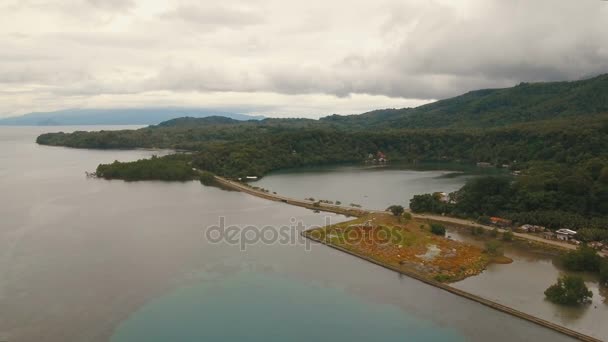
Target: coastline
<point>467,295</point>
<point>358,212</point>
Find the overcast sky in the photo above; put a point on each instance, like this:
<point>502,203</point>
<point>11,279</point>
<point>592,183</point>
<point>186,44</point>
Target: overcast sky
<point>287,58</point>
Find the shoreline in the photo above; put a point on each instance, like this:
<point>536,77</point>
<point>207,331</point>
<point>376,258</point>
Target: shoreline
<point>467,295</point>
<point>358,212</point>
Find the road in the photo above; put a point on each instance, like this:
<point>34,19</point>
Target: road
<point>360,212</point>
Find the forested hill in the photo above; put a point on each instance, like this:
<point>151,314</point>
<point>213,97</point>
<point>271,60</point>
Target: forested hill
<point>555,135</point>
<point>526,102</point>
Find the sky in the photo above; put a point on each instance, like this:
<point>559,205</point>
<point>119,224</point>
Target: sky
<point>286,58</point>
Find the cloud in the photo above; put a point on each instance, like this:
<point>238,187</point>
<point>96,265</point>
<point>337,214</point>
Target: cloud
<point>112,5</point>
<point>215,16</point>
<point>111,52</point>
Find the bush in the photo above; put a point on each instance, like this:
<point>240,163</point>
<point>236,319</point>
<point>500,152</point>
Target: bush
<point>437,229</point>
<point>484,220</point>
<point>407,216</point>
<point>569,290</point>
<point>494,233</point>
<point>583,259</point>
<point>397,210</point>
<point>207,178</point>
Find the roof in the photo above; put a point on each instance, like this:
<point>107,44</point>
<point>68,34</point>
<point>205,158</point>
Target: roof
<point>565,231</point>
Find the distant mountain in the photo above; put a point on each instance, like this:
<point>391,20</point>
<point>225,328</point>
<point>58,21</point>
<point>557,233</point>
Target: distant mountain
<point>526,102</point>
<point>192,122</point>
<point>127,116</point>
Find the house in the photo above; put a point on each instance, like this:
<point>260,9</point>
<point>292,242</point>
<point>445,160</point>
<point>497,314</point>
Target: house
<point>381,157</point>
<point>565,234</point>
<point>529,228</point>
<point>500,221</point>
<point>442,196</point>
<point>526,228</point>
<point>252,177</point>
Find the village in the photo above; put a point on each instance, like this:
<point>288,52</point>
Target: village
<point>562,235</point>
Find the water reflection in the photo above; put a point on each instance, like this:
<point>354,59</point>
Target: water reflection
<point>522,285</point>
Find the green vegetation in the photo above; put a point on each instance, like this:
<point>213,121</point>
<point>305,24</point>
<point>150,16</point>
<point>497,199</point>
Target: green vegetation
<point>207,178</point>
<point>437,229</point>
<point>583,259</point>
<point>569,290</point>
<point>604,272</point>
<point>548,194</point>
<point>555,134</point>
<point>172,168</point>
<point>396,210</point>
<point>526,102</point>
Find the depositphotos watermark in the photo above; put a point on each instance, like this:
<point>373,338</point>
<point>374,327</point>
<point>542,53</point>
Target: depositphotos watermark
<point>248,235</point>
<point>291,234</point>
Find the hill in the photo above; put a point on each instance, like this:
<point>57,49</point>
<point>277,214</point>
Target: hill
<point>124,116</point>
<point>527,102</point>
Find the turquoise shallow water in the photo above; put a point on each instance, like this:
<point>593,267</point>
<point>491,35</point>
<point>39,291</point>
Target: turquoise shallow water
<point>256,307</point>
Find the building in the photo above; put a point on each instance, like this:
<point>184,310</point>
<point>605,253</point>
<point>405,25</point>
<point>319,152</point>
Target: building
<point>528,228</point>
<point>565,234</point>
<point>500,221</point>
<point>444,197</point>
<point>381,157</point>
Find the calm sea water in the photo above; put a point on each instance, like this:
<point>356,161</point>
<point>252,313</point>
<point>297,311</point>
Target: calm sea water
<point>520,285</point>
<point>373,187</point>
<point>94,260</point>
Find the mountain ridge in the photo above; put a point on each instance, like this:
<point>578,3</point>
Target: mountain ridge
<point>117,116</point>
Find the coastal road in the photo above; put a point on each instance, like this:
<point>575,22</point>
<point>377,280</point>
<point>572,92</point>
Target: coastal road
<point>360,212</point>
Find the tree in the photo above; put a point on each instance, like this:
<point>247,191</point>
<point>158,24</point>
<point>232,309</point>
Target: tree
<point>583,259</point>
<point>427,203</point>
<point>569,290</point>
<point>494,232</point>
<point>437,229</point>
<point>397,210</point>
